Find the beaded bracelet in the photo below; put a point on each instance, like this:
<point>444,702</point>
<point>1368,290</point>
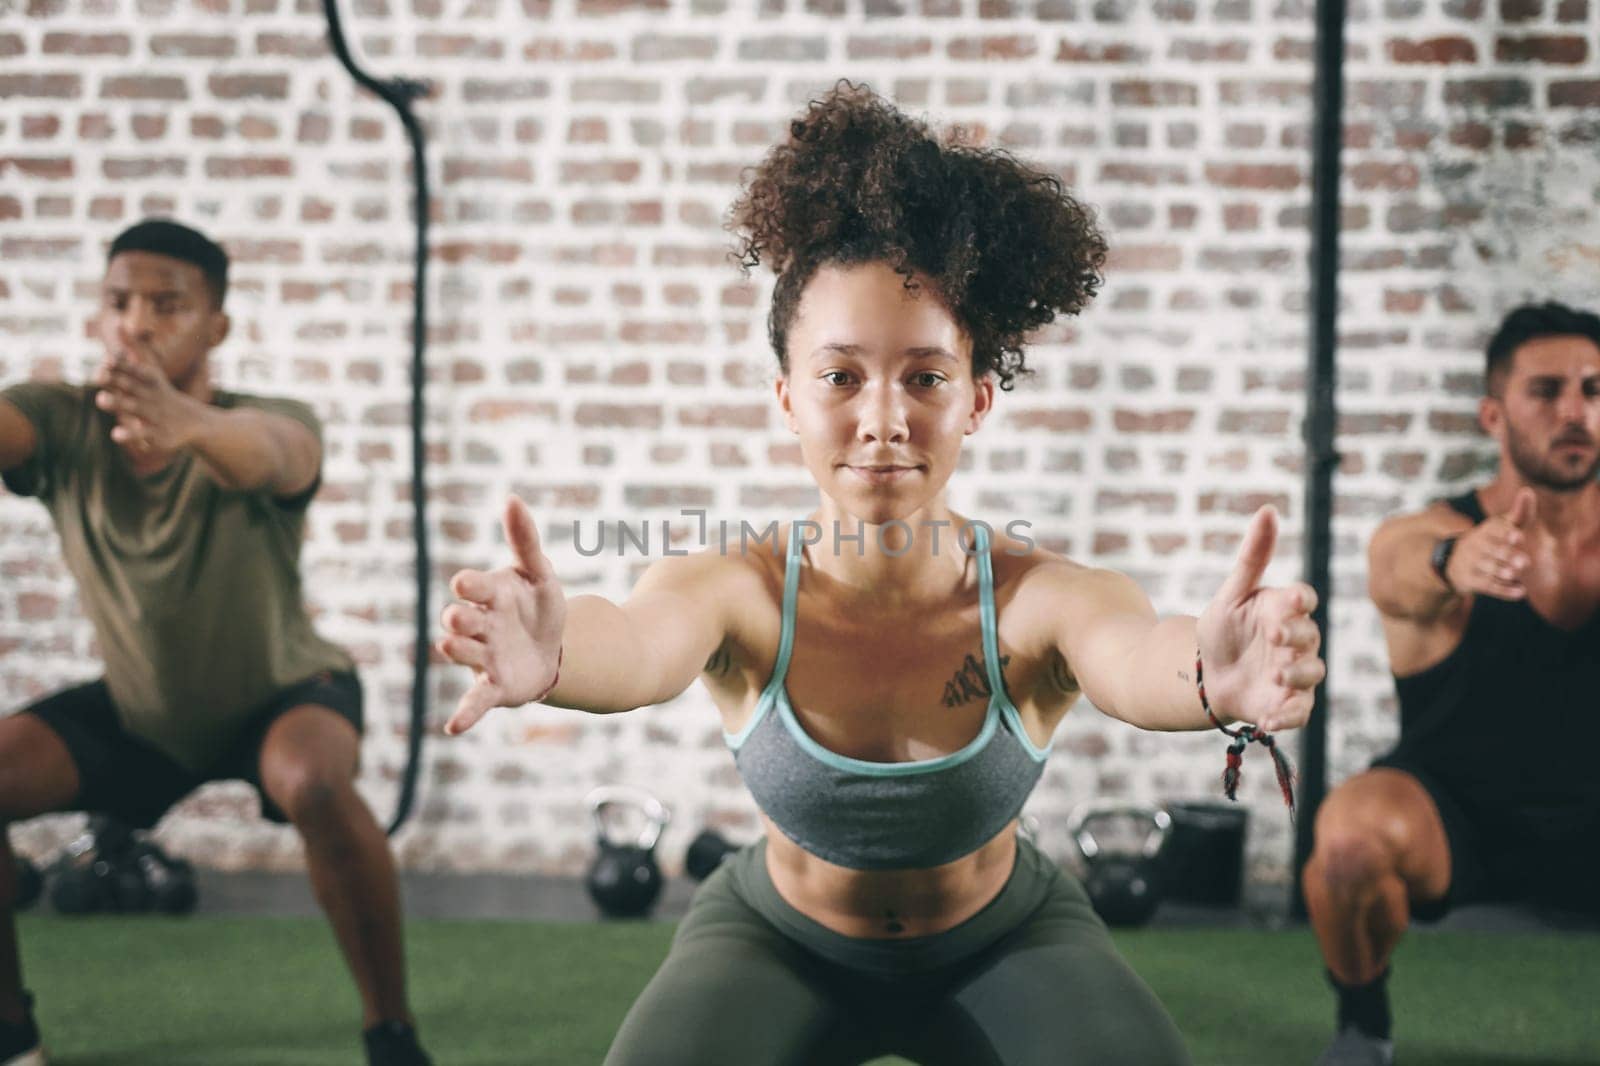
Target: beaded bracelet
<point>1242,736</point>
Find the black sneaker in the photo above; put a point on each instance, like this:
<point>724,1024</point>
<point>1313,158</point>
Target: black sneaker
<point>19,1042</point>
<point>388,1044</point>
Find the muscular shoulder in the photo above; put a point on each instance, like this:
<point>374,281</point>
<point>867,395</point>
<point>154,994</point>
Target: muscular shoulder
<point>1437,515</point>
<point>49,405</point>
<point>1045,590</point>
<point>283,406</point>
<point>1437,520</point>
<point>724,580</point>
<point>737,593</point>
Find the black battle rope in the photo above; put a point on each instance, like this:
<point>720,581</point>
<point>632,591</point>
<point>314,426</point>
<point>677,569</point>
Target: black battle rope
<point>398,93</point>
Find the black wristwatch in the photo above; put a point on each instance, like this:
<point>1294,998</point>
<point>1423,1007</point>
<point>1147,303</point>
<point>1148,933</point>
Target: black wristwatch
<point>1441,559</point>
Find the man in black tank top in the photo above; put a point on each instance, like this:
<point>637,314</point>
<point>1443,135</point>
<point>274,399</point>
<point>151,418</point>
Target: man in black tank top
<point>1491,608</point>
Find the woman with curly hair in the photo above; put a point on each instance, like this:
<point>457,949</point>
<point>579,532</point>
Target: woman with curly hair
<point>889,693</point>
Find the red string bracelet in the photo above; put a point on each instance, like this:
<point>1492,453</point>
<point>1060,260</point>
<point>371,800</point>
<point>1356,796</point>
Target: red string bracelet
<point>560,652</point>
<point>1242,736</point>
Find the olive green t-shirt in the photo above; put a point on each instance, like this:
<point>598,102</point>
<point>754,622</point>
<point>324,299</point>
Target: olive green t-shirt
<point>193,589</point>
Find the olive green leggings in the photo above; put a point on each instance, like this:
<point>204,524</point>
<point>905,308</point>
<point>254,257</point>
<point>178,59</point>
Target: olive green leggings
<point>1032,979</point>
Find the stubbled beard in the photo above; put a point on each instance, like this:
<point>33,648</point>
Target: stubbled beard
<point>1537,469</point>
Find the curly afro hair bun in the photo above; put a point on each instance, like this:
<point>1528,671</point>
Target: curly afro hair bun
<point>1006,247</point>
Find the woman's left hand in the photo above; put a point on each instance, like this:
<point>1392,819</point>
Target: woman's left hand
<point>1258,646</point>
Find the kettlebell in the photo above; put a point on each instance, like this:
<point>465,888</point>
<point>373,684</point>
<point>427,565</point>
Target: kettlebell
<point>705,854</point>
<point>624,880</point>
<point>90,875</point>
<point>169,883</point>
<point>1123,879</point>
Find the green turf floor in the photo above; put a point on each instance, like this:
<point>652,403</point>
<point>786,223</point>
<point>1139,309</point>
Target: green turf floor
<point>272,992</point>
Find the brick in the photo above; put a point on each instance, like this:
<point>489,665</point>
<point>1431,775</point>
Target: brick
<point>1142,174</point>
<point>149,127</point>
<point>1262,176</point>
<point>1393,176</point>
<point>517,170</point>
<point>600,172</point>
<point>249,86</point>
<point>40,127</point>
<point>87,44</point>
<point>40,86</point>
<point>134,168</point>
<point>663,48</point>
<point>1247,260</point>
<point>292,45</point>
<point>143,87</point>
<point>1433,50</point>
<point>1275,92</point>
<point>783,48</point>
<point>458,46</point>
<point>1144,257</point>
<point>1056,420</point>
<point>1154,94</point>
<point>194,45</point>
<point>712,90</point>
<point>48,168</point>
<point>618,416</point>
<point>1165,421</point>
<point>1386,423</point>
<point>1556,50</point>
<point>1488,92</point>
<point>1241,503</point>
<point>54,249</point>
<point>249,167</point>
<point>615,91</point>
<point>489,90</point>
<point>899,49</point>
<point>1575,93</point>
<point>992,48</point>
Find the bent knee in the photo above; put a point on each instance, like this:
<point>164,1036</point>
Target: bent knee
<point>1347,857</point>
<point>1359,839</point>
<point>307,795</point>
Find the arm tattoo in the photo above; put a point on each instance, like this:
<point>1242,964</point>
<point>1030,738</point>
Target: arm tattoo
<point>970,682</point>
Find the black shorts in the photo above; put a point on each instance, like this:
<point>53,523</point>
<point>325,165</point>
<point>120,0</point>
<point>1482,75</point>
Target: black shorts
<point>128,778</point>
<point>1503,852</point>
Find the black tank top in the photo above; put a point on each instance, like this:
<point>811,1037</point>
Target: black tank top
<point>1510,720</point>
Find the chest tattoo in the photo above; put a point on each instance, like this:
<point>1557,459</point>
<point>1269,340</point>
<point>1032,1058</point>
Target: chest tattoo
<point>971,682</point>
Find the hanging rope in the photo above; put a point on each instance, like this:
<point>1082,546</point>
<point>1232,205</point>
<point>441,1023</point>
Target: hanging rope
<point>399,93</point>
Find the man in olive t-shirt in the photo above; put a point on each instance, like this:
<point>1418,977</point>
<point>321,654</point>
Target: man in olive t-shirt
<point>181,510</point>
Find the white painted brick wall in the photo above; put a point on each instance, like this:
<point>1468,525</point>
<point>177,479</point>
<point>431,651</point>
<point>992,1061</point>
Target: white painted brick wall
<point>594,350</point>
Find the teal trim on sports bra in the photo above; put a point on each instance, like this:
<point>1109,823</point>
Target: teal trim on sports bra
<point>1000,706</point>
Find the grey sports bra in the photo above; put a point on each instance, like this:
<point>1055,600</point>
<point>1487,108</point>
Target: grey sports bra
<point>887,816</point>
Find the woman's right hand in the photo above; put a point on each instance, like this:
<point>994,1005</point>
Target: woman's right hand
<point>506,626</point>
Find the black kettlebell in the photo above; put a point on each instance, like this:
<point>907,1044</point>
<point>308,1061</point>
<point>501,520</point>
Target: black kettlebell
<point>92,875</point>
<point>168,883</point>
<point>706,853</point>
<point>30,883</point>
<point>624,880</point>
<point>1120,845</point>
